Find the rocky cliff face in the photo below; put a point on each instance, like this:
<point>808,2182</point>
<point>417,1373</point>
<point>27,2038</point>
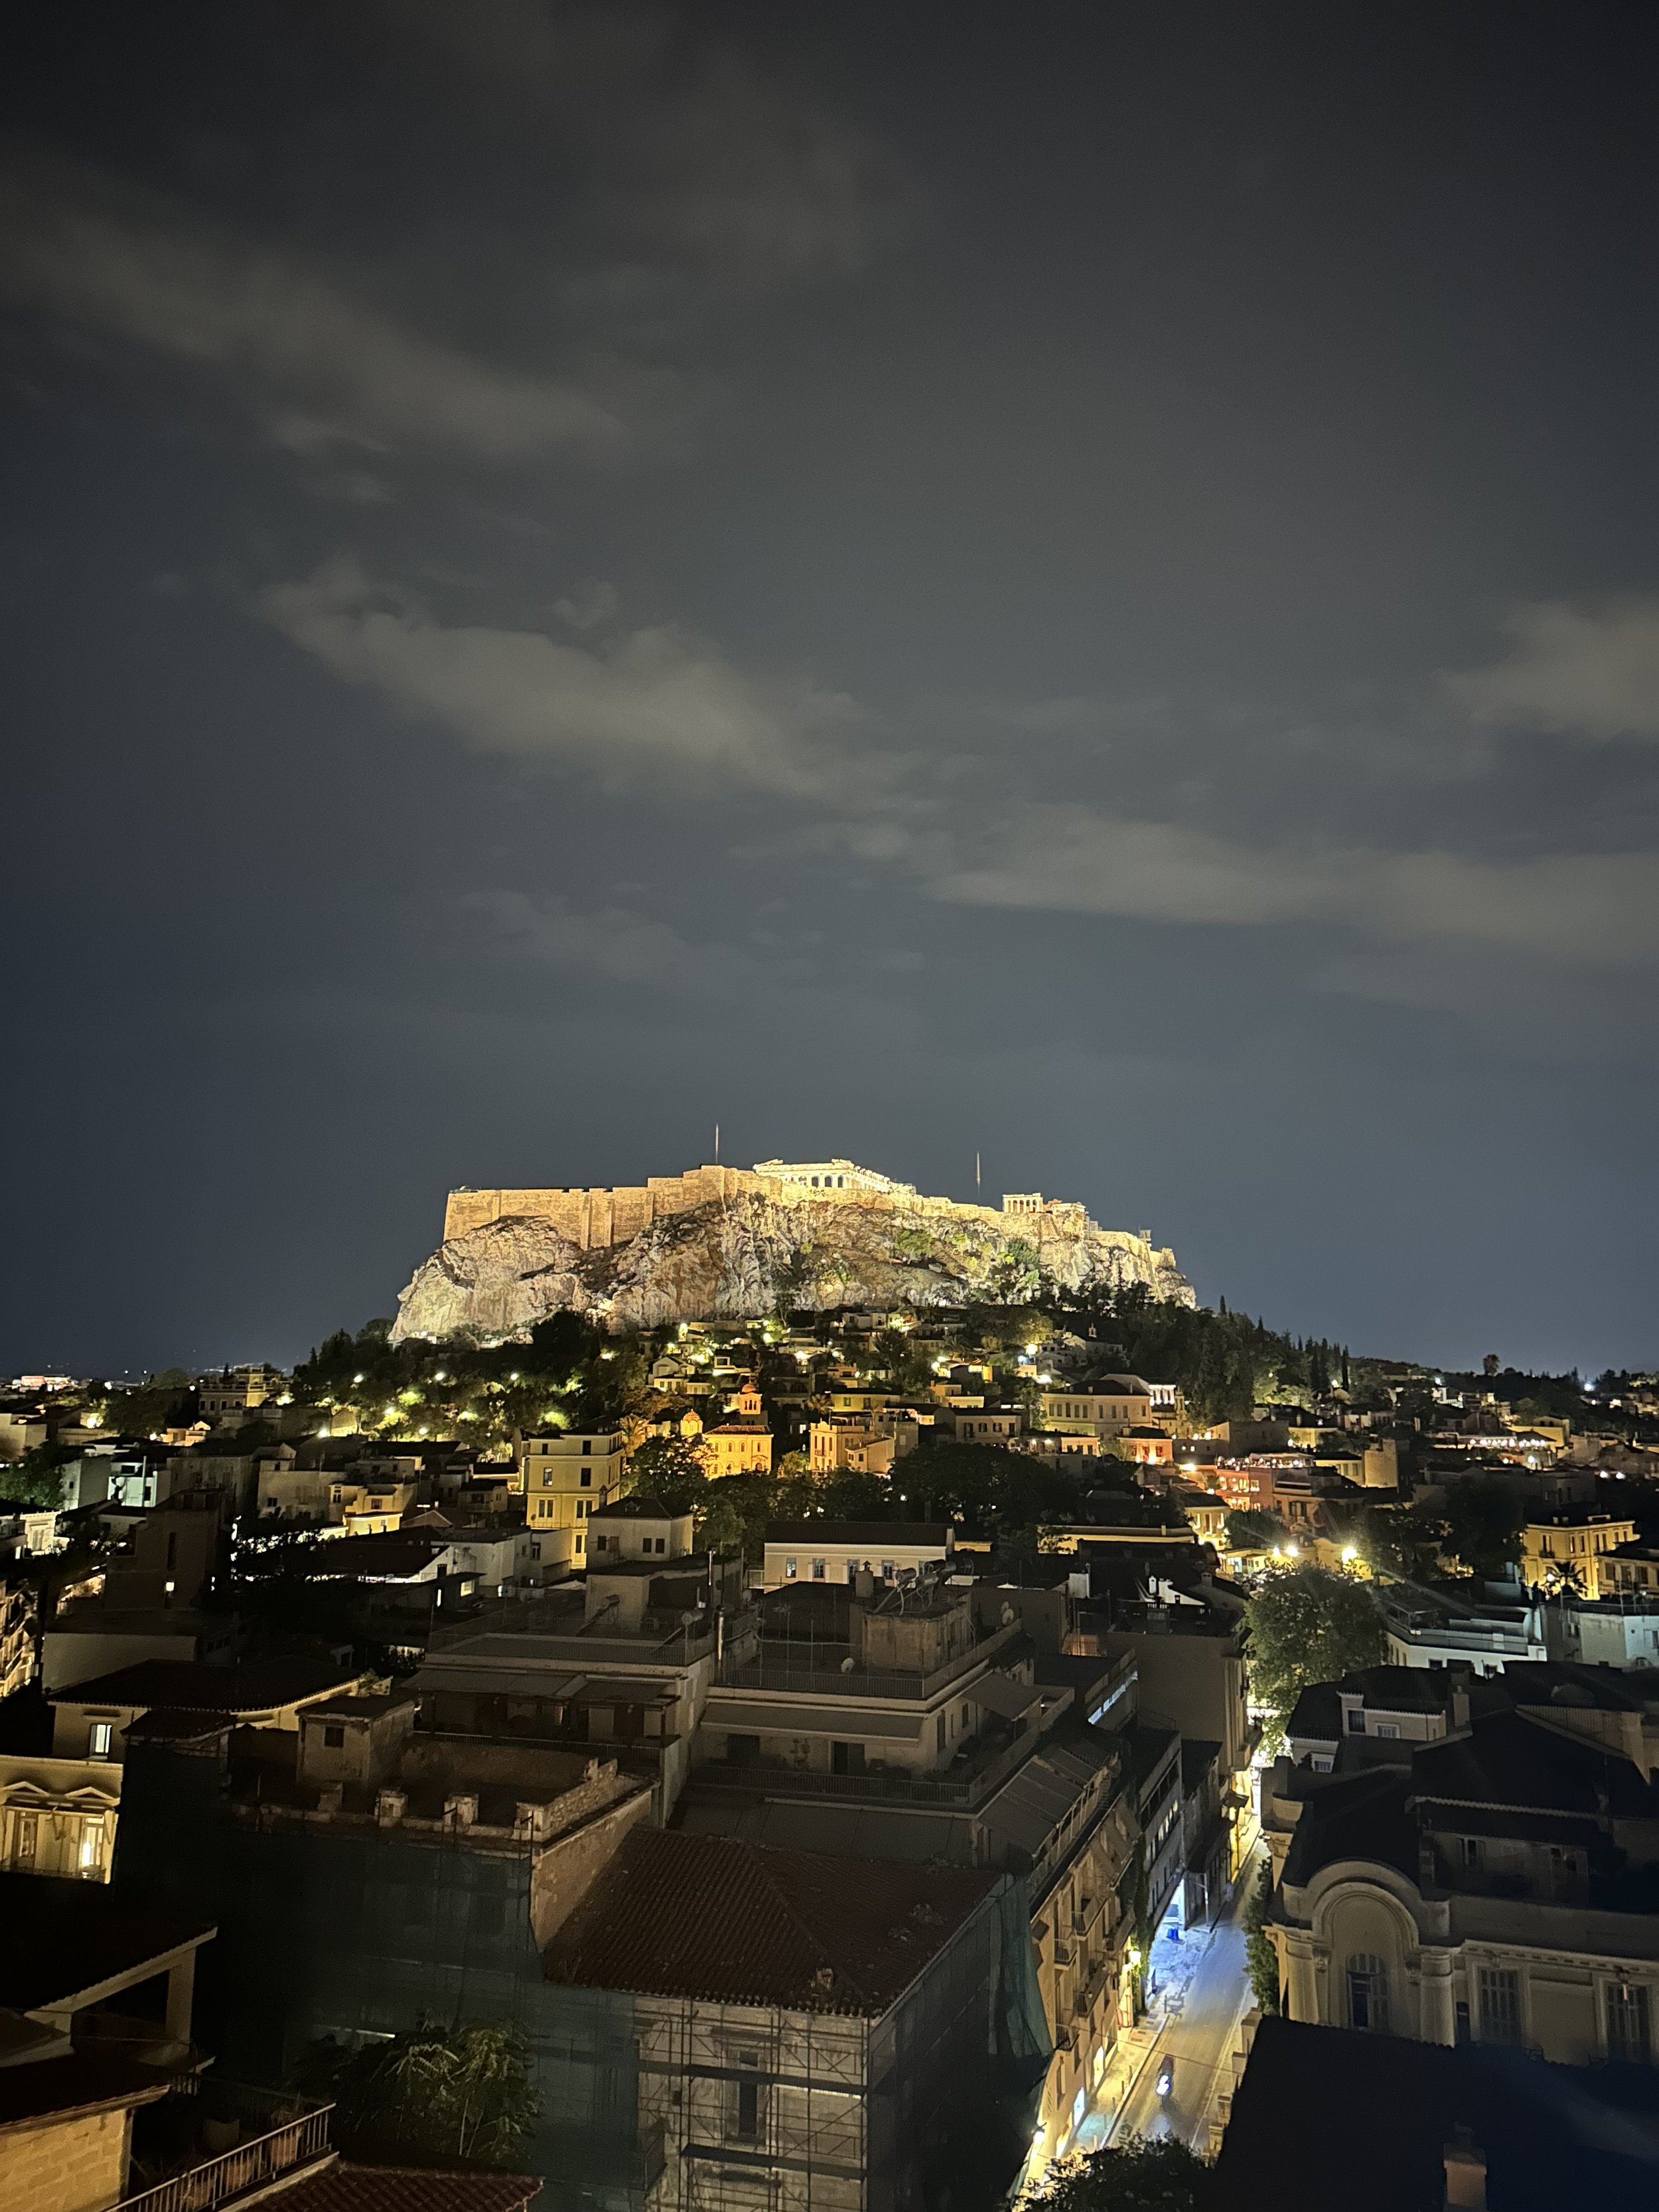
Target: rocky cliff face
<point>736,1259</point>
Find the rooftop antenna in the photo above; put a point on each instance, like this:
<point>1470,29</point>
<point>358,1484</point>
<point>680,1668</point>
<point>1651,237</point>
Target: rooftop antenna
<point>976,1183</point>
<point>717,1144</point>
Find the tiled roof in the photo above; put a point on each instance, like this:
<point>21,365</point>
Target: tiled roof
<point>1318,1714</point>
<point>347,2188</point>
<point>82,2082</point>
<point>1362,1816</point>
<point>711,1917</point>
<point>1374,2116</point>
<point>196,1685</point>
<point>64,1936</point>
<point>1510,1760</point>
<point>400,1556</point>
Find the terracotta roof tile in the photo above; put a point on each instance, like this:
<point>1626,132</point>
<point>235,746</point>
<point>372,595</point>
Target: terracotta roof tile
<point>347,2188</point>
<point>714,1917</point>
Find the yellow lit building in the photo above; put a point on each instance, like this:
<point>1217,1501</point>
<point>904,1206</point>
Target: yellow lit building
<point>58,1816</point>
<point>565,1479</point>
<point>1571,1547</point>
<point>741,1443</point>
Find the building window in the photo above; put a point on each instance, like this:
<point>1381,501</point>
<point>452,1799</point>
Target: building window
<point>100,1736</point>
<point>92,1847</point>
<point>818,1571</point>
<point>333,1737</point>
<point>1388,1728</point>
<point>1500,2005</point>
<point>587,1446</point>
<point>745,2120</point>
<point>789,1569</point>
<point>587,1478</point>
<point>1368,1992</point>
<point>1356,1720</point>
<point>1629,2033</point>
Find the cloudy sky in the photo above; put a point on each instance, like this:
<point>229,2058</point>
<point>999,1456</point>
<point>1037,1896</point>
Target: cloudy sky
<point>1075,582</point>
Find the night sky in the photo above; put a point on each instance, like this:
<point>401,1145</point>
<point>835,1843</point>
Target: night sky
<point>1074,582</point>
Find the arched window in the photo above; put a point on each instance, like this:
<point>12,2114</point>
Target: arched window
<point>1368,1992</point>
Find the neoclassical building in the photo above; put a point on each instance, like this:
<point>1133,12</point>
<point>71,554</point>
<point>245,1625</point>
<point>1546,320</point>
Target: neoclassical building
<point>58,1816</point>
<point>1500,1885</point>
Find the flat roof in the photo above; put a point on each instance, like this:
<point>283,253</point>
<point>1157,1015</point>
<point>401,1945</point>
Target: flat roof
<point>897,1535</point>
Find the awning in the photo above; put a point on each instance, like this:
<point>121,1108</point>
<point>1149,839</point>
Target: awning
<point>1003,1695</point>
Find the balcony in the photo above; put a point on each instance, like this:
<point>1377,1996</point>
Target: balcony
<point>777,1777</point>
<point>244,2140</point>
<point>777,1669</point>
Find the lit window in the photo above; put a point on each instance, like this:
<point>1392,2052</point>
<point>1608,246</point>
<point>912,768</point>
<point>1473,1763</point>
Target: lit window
<point>99,1739</point>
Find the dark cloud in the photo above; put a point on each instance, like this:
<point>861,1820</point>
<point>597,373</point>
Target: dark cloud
<point>1590,673</point>
<point>282,336</point>
<point>912,585</point>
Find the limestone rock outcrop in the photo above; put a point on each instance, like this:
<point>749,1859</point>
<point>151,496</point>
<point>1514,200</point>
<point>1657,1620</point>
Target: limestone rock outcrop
<point>739,1257</point>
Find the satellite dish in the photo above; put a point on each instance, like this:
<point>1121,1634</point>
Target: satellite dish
<point>847,1665</point>
<point>1007,1616</point>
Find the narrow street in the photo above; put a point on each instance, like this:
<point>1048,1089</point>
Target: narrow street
<point>1202,1994</point>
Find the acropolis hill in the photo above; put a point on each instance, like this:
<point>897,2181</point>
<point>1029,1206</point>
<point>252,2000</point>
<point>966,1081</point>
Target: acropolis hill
<point>734,1244</point>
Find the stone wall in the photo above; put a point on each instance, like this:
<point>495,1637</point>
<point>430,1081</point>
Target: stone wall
<point>65,2166</point>
<point>594,1220</point>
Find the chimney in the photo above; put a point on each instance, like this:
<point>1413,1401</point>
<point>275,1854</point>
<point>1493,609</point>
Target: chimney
<point>1466,2174</point>
<point>389,1808</point>
<point>1460,1710</point>
<point>460,1812</point>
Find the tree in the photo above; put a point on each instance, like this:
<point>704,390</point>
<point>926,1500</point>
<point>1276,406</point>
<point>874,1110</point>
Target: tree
<point>1133,2176</point>
<point>562,1344</point>
<point>734,1513</point>
<point>1400,1541</point>
<point>1261,1959</point>
<point>1483,1524</point>
<point>673,1469</point>
<point>1253,1532</point>
<point>36,1481</point>
<point>1309,1625</point>
<point>460,2093</point>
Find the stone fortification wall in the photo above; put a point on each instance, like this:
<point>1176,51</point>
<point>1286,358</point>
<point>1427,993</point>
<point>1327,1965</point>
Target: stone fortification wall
<point>593,1220</point>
